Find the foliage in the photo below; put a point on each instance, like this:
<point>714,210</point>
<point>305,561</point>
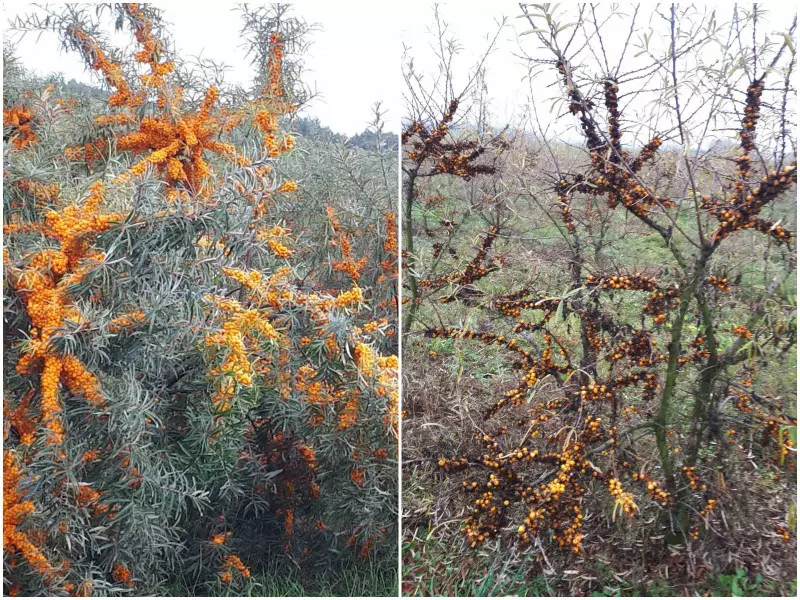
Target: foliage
<point>198,398</point>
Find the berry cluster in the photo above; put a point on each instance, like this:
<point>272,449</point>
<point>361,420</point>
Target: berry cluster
<point>658,304</point>
<point>646,154</point>
<point>566,207</point>
<point>721,283</point>
<point>477,269</point>
<point>18,125</point>
<point>612,105</point>
<point>457,157</point>
<point>654,490</point>
<point>741,212</point>
<point>640,350</point>
<point>578,105</point>
<point>752,109</point>
<point>623,282</point>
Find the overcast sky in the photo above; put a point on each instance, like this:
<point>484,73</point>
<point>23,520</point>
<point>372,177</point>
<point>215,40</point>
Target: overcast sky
<point>353,60</point>
<point>355,56</point>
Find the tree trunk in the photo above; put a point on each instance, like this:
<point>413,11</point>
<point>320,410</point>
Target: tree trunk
<point>409,273</point>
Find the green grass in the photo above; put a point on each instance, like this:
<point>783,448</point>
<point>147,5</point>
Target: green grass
<point>442,569</point>
<point>367,579</point>
<point>353,580</point>
<point>740,583</point>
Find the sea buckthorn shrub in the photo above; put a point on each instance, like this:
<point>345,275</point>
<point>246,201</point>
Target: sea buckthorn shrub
<point>192,400</point>
<point>621,393</point>
<point>432,150</point>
